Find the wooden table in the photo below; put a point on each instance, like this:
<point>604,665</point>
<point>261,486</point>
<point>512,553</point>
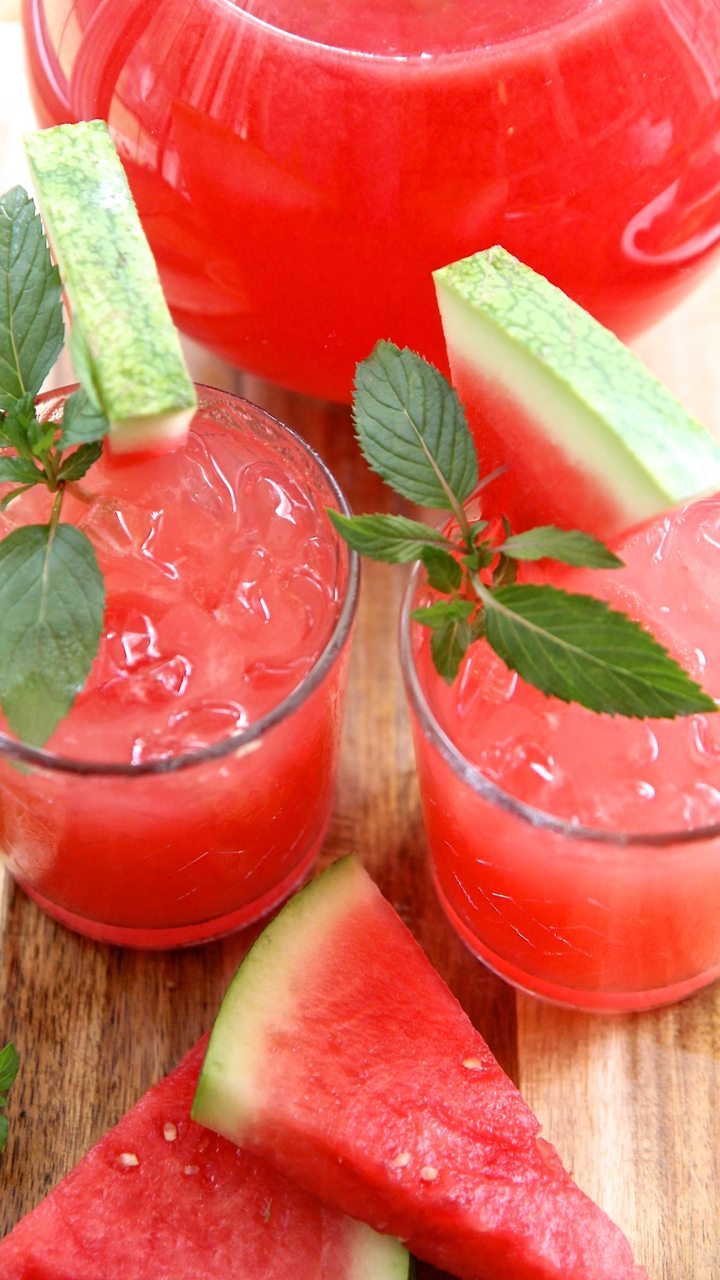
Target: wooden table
<point>632,1103</point>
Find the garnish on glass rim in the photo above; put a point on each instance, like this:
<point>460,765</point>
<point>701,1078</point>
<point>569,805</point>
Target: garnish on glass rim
<point>412,430</point>
<point>134,382</point>
<point>9,1064</point>
<point>124,344</point>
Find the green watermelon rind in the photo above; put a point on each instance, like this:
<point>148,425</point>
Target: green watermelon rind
<point>585,391</point>
<point>225,1095</point>
<point>258,996</point>
<point>120,319</point>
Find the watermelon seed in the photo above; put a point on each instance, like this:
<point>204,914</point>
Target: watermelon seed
<point>428,1173</point>
<point>128,1159</point>
<point>473,1064</point>
<point>401,1161</point>
<point>169,1132</point>
<point>191,1168</point>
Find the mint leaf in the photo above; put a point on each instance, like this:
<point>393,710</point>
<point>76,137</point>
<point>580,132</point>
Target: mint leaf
<point>482,557</point>
<point>31,323</point>
<point>77,463</point>
<point>569,546</point>
<point>395,539</point>
<point>83,422</point>
<point>442,612</point>
<point>16,426</point>
<point>504,573</point>
<point>19,471</point>
<point>577,648</point>
<point>9,1063</point>
<point>412,429</point>
<point>450,643</point>
<point>443,571</point>
<point>51,612</point>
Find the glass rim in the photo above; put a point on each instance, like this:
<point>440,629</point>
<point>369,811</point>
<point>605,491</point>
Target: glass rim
<point>477,781</point>
<point>242,740</point>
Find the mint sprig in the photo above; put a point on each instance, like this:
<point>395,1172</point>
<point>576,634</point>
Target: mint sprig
<point>412,431</point>
<point>9,1064</point>
<point>51,590</point>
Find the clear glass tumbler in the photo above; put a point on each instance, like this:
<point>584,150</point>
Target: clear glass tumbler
<point>617,916</point>
<point>190,787</point>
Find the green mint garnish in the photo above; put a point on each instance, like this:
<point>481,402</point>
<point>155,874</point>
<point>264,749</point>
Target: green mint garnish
<point>569,546</point>
<point>9,1063</point>
<point>396,539</point>
<point>51,590</point>
<point>51,610</point>
<point>31,323</point>
<point>412,430</point>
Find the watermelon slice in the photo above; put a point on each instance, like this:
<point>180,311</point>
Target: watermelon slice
<point>589,439</point>
<point>341,1056</point>
<point>159,1198</point>
<point>124,344</point>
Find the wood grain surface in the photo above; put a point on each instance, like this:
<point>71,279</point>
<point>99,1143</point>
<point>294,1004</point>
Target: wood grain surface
<point>632,1103</point>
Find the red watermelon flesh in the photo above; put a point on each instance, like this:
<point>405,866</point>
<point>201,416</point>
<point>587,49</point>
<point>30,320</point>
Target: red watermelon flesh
<point>538,483</point>
<point>340,1055</point>
<point>159,1198</point>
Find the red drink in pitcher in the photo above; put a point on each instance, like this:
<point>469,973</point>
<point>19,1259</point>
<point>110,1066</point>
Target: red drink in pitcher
<point>578,854</point>
<point>302,168</point>
<point>190,787</point>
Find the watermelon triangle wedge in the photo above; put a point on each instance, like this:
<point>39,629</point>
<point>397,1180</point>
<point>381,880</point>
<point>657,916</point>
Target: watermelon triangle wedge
<point>341,1057</point>
<point>159,1198</point>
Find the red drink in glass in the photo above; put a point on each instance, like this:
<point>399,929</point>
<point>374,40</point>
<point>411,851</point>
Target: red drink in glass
<point>579,855</point>
<point>190,787</point>
<point>302,168</point>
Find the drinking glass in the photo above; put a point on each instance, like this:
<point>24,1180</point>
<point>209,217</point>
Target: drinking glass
<point>608,917</point>
<point>191,785</point>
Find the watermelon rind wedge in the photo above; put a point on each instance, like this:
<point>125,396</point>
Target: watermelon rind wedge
<point>588,437</point>
<point>123,339</point>
<point>159,1198</point>
<point>341,1057</point>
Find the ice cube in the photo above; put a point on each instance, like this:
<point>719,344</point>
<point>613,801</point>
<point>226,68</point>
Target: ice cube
<point>195,726</point>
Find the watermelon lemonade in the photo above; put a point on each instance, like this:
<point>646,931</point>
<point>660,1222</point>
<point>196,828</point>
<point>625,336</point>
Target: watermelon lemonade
<point>577,854</point>
<point>302,168</point>
<point>190,786</point>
